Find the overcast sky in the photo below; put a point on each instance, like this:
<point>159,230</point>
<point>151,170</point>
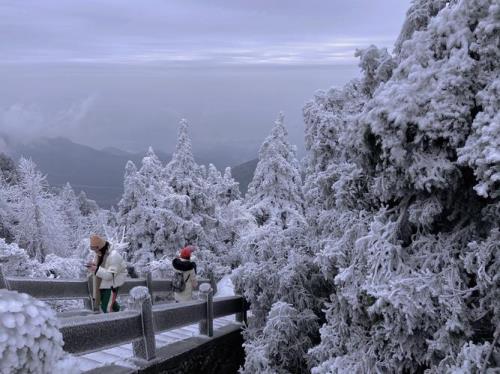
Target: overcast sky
<point>123,73</point>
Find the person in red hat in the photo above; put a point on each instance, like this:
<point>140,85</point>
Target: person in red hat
<point>184,280</point>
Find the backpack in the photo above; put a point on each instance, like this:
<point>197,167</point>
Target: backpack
<point>178,282</point>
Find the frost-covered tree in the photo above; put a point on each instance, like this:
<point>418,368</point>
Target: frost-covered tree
<point>230,190</point>
<point>223,188</point>
<point>6,214</point>
<point>87,206</point>
<point>276,257</point>
<point>141,208</point>
<point>8,169</point>
<point>75,222</point>
<point>274,195</point>
<point>130,207</point>
<point>233,222</point>
<point>39,227</point>
<point>190,202</point>
<point>408,187</point>
<point>15,261</point>
<point>417,18</point>
<point>232,218</point>
<point>283,344</point>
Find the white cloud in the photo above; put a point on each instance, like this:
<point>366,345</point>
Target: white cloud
<point>23,123</point>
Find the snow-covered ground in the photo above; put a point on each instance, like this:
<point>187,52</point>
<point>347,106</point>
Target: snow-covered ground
<point>225,287</point>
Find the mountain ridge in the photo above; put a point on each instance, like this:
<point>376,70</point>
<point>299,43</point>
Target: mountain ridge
<point>97,172</point>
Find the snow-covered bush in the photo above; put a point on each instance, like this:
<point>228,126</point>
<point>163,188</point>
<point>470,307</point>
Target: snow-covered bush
<point>30,341</point>
<point>62,267</point>
<point>15,261</point>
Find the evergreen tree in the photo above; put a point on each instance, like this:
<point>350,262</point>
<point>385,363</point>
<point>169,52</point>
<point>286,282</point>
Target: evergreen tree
<point>71,214</point>
<point>193,221</point>
<point>408,239</point>
<point>270,253</point>
<point>40,228</point>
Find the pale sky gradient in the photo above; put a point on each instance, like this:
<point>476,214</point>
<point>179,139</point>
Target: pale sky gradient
<point>122,73</point>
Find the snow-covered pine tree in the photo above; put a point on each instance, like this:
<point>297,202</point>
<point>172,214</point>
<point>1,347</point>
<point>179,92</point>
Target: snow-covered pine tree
<point>8,169</point>
<point>230,190</point>
<point>412,251</point>
<point>277,262</point>
<point>231,216</point>
<point>283,343</point>
<point>77,224</point>
<point>40,227</point>
<point>191,204</point>
<point>274,195</point>
<point>6,214</point>
<point>87,206</point>
<point>142,212</point>
<point>223,188</point>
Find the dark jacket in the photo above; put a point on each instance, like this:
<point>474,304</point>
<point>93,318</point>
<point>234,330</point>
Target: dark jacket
<point>181,265</point>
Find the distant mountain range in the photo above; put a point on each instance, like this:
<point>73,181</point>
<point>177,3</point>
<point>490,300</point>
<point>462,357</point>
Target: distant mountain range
<point>100,172</point>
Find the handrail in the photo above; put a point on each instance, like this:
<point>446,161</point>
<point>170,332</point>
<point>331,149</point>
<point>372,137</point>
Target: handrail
<point>68,289</point>
<point>47,289</point>
<point>170,316</point>
<point>95,332</point>
<point>91,333</point>
<point>99,331</point>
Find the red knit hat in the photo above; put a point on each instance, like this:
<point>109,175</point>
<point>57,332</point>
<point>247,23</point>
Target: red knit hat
<point>186,252</point>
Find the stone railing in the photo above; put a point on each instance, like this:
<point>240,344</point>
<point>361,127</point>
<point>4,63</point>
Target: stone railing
<point>94,332</point>
<point>74,289</point>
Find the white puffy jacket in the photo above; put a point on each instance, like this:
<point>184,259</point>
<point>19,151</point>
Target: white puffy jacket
<point>113,270</point>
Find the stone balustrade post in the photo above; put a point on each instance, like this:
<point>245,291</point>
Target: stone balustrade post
<point>213,282</point>
<point>140,300</point>
<point>149,284</point>
<point>206,294</point>
<point>90,302</point>
<point>3,280</point>
<point>241,317</point>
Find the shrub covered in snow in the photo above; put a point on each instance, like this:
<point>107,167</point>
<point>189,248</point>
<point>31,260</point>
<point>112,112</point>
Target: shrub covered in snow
<point>15,261</point>
<point>30,341</point>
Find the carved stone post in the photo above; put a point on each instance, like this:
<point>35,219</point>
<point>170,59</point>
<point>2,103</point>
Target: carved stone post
<point>241,317</point>
<point>90,302</point>
<point>213,283</point>
<point>141,302</point>
<point>3,280</point>
<point>149,285</point>
<point>206,326</point>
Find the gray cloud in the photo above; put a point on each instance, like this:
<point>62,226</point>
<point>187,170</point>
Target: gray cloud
<point>180,31</point>
<point>122,73</point>
<point>24,123</point>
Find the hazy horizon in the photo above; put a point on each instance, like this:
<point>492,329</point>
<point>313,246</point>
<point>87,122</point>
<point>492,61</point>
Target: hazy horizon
<point>123,74</point>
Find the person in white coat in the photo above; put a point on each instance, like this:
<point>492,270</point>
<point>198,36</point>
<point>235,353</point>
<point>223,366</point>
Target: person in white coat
<point>187,268</point>
<point>109,270</point>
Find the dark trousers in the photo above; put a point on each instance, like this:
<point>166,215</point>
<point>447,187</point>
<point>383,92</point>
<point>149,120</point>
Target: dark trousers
<point>108,300</point>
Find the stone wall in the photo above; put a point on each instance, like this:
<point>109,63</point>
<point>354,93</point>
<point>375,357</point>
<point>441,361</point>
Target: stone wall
<point>220,354</point>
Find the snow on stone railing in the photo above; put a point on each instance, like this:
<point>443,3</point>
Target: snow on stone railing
<point>71,289</point>
<point>139,325</point>
<point>84,334</point>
